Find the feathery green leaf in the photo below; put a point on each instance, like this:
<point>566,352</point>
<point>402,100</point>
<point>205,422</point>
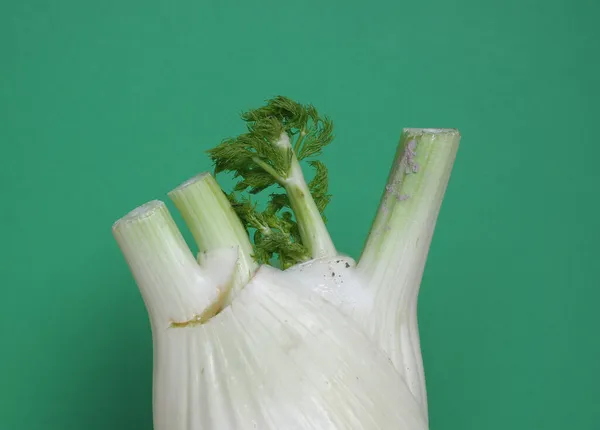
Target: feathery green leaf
<point>317,137</point>
<point>259,162</point>
<point>319,186</point>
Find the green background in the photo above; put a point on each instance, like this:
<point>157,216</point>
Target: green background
<point>106,105</point>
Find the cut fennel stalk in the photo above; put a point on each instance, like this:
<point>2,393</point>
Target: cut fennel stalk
<point>327,343</point>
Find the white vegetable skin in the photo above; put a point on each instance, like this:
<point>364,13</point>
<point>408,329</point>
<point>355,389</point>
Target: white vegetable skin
<point>328,344</point>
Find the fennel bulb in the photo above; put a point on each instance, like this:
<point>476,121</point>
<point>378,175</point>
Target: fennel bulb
<point>317,341</point>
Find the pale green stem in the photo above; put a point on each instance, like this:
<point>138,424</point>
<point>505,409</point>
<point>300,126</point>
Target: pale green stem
<point>268,169</point>
<point>313,232</point>
<point>214,224</point>
<point>299,140</point>
<point>311,225</point>
<point>396,250</point>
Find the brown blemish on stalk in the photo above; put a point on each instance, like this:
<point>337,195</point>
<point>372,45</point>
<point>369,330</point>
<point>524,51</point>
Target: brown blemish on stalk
<point>212,310</point>
<point>400,197</point>
<point>406,165</point>
<point>411,165</point>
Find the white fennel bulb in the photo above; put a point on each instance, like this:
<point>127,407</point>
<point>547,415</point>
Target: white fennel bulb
<point>317,341</point>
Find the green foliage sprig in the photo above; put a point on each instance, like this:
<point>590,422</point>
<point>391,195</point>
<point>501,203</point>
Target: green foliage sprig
<point>261,158</point>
